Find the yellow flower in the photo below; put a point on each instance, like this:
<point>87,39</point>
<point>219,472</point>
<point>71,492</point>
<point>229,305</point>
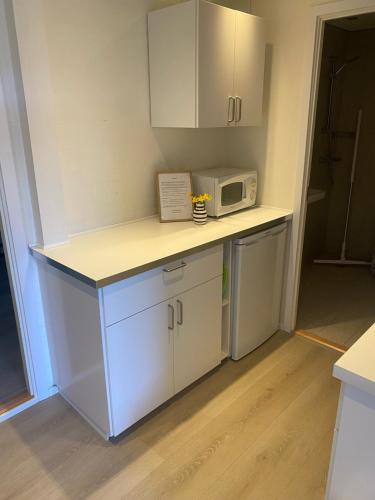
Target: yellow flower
<point>200,198</point>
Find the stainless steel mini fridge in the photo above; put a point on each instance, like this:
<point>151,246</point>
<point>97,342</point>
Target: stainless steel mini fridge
<point>257,288</point>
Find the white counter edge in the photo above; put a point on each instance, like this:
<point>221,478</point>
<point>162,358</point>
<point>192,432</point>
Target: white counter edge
<point>354,366</point>
<point>39,255</point>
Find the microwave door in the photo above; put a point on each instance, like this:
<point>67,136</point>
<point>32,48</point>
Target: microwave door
<point>232,195</point>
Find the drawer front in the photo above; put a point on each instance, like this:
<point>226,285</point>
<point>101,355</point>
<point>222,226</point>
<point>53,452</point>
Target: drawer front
<point>132,295</point>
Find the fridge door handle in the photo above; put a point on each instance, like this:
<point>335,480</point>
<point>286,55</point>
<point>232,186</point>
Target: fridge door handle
<point>256,237</point>
<point>267,235</point>
<point>272,235</point>
<point>245,244</point>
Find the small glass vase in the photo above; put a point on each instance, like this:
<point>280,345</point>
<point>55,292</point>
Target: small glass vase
<point>200,213</point>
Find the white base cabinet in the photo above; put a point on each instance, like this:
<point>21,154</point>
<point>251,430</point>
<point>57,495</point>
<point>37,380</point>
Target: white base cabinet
<point>352,467</point>
<point>122,351</point>
<point>197,345</point>
<point>140,365</point>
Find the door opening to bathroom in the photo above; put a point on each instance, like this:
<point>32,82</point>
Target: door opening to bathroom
<point>337,287</point>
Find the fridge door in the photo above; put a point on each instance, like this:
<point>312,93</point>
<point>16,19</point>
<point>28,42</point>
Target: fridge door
<point>258,278</point>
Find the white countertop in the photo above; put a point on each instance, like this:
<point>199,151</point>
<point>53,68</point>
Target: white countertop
<point>357,366</point>
<point>103,257</point>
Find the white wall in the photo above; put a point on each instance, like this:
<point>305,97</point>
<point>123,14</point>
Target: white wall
<point>96,71</point>
<point>40,118</point>
<point>274,147</point>
<point>281,142</point>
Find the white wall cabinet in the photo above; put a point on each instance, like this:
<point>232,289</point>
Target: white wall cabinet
<point>121,351</point>
<point>206,66</point>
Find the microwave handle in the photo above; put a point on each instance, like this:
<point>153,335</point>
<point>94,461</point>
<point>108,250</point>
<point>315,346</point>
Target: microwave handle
<point>244,190</point>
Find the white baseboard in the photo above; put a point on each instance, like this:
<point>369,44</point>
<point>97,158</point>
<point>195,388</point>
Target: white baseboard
<point>18,409</point>
<point>28,404</point>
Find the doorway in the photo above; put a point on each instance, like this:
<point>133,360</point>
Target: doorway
<point>337,287</point>
<point>13,386</point>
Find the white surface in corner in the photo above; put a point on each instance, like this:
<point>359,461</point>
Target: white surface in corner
<point>357,366</point>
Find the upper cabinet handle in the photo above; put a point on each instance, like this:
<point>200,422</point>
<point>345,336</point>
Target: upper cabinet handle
<point>238,109</point>
<point>231,106</point>
<point>170,269</point>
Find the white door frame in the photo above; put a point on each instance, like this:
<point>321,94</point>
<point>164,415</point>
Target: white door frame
<point>15,244</point>
<point>19,211</point>
<point>321,11</point>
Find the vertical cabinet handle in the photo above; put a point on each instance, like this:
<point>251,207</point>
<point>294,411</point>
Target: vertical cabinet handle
<point>180,312</point>
<point>231,108</point>
<point>238,106</point>
<point>170,317</point>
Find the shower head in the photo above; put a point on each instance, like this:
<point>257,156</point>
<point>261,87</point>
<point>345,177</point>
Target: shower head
<point>336,71</point>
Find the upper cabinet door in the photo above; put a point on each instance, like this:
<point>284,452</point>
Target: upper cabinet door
<point>216,34</point>
<point>249,69</point>
<point>172,42</point>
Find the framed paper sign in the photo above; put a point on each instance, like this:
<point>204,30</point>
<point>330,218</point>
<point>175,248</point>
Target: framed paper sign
<point>174,190</point>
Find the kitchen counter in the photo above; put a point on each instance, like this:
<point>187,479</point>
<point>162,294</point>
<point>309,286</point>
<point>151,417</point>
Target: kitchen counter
<point>357,366</point>
<point>106,256</point>
<point>351,473</point>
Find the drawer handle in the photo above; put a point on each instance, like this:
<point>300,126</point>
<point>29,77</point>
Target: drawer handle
<point>180,312</point>
<point>170,269</point>
<point>170,317</point>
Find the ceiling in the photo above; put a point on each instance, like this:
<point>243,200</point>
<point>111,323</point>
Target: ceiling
<point>355,23</point>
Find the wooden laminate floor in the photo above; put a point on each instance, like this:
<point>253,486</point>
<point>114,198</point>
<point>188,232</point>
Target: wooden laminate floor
<point>336,302</point>
<point>260,428</point>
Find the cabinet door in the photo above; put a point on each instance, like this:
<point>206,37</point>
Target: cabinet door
<point>172,64</point>
<point>197,341</point>
<point>215,64</point>
<point>249,68</point>
<point>140,364</point>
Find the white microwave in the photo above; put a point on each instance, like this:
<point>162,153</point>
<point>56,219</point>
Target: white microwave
<point>231,189</point>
